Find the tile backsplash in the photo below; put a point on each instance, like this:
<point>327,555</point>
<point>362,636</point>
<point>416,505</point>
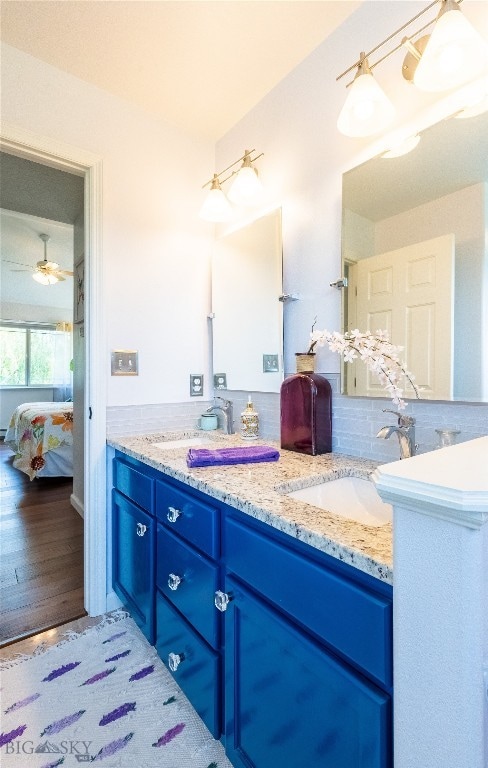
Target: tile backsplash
<point>355,420</point>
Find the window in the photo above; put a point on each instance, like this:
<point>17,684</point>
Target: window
<point>27,356</point>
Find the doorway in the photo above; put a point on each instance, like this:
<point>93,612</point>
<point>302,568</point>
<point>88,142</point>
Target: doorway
<point>55,154</point>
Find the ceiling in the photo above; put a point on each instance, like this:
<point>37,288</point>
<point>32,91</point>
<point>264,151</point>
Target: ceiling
<point>36,189</point>
<point>200,65</point>
<point>451,155</point>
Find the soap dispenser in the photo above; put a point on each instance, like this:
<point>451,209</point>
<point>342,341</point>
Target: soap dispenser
<point>249,422</point>
<point>306,414</point>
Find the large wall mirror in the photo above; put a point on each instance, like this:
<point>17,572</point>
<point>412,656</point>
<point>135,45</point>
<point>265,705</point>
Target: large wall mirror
<point>247,277</point>
<point>415,253</point>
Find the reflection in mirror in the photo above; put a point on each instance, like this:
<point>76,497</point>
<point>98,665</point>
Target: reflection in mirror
<point>415,252</point>
<point>248,316</point>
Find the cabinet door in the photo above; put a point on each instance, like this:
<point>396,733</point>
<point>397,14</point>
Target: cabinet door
<point>288,703</point>
<point>193,664</point>
<point>134,542</point>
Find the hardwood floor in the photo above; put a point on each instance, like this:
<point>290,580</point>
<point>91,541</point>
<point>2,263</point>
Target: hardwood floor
<point>41,546</point>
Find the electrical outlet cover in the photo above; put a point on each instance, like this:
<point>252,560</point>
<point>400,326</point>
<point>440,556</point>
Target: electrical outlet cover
<point>220,380</point>
<point>196,384</point>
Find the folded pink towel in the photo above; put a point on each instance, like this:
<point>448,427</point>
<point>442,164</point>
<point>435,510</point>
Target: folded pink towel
<point>204,457</point>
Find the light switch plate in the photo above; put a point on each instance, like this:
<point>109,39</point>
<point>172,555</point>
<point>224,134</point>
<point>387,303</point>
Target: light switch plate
<point>220,381</point>
<point>196,384</point>
<point>270,363</point>
<point>124,362</point>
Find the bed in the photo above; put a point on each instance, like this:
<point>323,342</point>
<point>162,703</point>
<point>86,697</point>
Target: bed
<point>41,436</point>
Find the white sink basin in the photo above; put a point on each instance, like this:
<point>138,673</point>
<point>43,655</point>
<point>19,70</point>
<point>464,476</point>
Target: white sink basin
<point>352,497</point>
<point>184,442</point>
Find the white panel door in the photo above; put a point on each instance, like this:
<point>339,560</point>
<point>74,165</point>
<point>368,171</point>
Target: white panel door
<point>409,292</point>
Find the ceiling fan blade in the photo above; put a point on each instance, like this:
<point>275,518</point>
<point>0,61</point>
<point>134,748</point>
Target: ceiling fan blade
<point>65,272</point>
<point>58,275</point>
<point>20,270</point>
<point>18,263</point>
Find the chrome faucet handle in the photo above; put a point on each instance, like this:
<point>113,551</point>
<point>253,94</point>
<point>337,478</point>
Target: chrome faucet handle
<point>225,402</point>
<point>403,421</point>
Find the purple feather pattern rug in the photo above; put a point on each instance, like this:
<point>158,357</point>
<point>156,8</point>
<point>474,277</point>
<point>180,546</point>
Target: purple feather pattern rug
<point>101,697</point>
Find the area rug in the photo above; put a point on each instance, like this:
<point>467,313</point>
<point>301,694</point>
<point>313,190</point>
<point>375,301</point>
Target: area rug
<point>101,697</point>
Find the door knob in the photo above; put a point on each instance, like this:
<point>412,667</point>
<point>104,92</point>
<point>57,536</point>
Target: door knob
<point>174,660</point>
<point>174,581</point>
<point>141,529</point>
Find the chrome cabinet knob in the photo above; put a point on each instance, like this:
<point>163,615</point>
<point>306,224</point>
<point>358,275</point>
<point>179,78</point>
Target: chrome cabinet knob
<point>141,529</point>
<point>173,514</point>
<point>174,660</point>
<point>174,581</point>
<point>222,600</point>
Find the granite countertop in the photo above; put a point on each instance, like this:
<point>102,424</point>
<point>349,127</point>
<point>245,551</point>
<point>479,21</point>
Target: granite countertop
<point>258,490</point>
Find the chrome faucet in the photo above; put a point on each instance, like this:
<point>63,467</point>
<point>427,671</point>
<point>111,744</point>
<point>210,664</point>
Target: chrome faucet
<point>405,432</point>
<point>228,413</point>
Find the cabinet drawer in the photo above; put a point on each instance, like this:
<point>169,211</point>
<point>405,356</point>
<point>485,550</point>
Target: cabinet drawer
<point>198,673</point>
<point>194,594</point>
<point>134,484</point>
<point>187,515</point>
<point>353,620</point>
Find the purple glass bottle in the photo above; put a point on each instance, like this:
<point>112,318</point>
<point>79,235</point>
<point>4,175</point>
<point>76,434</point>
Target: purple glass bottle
<point>306,414</point>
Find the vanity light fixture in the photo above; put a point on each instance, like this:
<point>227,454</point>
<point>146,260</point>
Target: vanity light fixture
<point>367,108</point>
<point>246,189</point>
<point>453,54</point>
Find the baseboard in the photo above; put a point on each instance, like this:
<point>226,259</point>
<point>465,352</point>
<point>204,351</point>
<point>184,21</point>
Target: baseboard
<point>77,504</point>
<point>113,602</point>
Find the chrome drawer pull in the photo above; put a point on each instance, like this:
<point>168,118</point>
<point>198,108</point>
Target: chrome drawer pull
<point>141,529</point>
<point>222,600</point>
<point>174,660</point>
<point>174,581</point>
<point>173,514</point>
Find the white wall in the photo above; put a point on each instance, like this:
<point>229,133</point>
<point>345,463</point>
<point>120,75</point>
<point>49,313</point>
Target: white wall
<point>155,249</point>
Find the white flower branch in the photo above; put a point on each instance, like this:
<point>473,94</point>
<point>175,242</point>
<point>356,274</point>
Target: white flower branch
<point>375,351</point>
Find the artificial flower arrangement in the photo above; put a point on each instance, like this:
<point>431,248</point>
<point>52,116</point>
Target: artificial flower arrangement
<point>375,350</point>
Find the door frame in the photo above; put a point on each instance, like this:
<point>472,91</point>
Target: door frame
<point>22,143</point>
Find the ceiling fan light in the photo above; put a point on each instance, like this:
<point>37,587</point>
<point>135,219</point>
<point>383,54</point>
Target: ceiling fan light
<point>454,54</point>
<point>367,108</point>
<point>44,278</point>
<point>216,207</point>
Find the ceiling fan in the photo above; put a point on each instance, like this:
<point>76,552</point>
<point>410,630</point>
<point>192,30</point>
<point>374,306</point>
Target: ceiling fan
<point>46,272</point>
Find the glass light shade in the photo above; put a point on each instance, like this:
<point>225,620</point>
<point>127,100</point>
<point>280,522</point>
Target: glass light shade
<point>455,53</point>
<point>216,206</point>
<point>44,278</point>
<point>246,188</point>
<point>367,108</point>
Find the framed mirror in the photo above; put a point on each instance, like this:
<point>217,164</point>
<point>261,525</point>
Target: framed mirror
<point>247,278</point>
<point>415,254</point>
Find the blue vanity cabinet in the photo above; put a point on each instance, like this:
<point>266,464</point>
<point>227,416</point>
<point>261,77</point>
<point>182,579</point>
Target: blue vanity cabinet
<point>134,542</point>
<point>284,651</point>
<point>305,686</point>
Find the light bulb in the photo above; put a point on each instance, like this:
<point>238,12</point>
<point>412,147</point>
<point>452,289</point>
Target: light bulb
<point>44,278</point>
<point>367,109</point>
<point>216,206</point>
<point>246,188</point>
<point>454,54</point>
